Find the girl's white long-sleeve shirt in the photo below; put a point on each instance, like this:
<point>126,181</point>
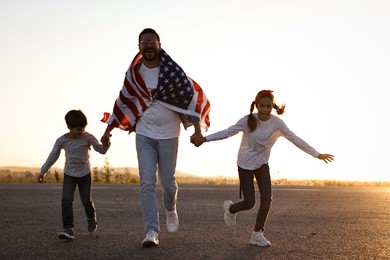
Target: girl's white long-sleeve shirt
<point>77,151</point>
<point>255,147</point>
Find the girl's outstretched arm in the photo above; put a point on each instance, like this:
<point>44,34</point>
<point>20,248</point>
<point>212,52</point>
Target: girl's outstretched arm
<point>325,157</point>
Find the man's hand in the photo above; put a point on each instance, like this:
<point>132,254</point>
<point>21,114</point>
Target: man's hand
<point>105,140</point>
<point>197,140</point>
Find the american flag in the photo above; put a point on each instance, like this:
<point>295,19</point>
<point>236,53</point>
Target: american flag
<point>175,90</point>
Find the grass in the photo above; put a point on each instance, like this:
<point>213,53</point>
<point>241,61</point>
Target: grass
<point>130,175</point>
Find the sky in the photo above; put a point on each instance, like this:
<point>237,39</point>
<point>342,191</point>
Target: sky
<point>327,60</point>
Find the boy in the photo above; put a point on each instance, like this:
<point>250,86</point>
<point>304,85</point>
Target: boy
<point>77,170</point>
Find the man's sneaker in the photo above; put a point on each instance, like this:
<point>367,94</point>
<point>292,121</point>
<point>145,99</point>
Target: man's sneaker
<point>151,239</point>
<point>172,221</point>
<point>92,225</point>
<point>230,218</point>
<point>258,239</point>
<point>66,234</point>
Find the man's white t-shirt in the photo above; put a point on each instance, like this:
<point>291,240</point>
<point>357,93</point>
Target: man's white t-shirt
<point>157,121</point>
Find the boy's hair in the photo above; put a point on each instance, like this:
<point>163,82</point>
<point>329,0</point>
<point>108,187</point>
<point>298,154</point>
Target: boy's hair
<point>252,123</point>
<point>148,30</point>
<point>75,118</point>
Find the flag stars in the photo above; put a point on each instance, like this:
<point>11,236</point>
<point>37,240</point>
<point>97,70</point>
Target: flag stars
<point>174,87</point>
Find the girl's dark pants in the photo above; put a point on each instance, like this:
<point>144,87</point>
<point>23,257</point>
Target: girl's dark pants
<point>263,179</point>
<point>69,187</point>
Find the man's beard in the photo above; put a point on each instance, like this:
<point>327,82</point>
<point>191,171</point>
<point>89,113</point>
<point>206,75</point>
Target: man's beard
<point>150,56</point>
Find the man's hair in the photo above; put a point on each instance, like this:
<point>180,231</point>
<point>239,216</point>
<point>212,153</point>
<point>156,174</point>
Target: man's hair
<point>75,118</point>
<point>148,30</point>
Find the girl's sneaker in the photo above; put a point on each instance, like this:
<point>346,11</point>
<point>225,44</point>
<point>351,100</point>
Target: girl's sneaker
<point>229,218</point>
<point>66,234</point>
<point>258,239</point>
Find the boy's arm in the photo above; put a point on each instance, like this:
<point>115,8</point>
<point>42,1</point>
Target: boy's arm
<point>100,148</point>
<point>53,157</point>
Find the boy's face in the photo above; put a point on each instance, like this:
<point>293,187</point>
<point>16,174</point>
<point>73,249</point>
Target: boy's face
<point>75,132</point>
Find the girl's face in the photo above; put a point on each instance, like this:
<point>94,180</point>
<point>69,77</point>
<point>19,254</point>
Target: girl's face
<point>264,108</point>
<point>76,132</point>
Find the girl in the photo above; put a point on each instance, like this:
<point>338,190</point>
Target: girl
<point>260,132</point>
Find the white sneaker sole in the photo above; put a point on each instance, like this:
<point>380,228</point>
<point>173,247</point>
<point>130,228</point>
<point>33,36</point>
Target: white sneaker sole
<point>149,243</point>
<point>259,244</point>
<point>63,235</point>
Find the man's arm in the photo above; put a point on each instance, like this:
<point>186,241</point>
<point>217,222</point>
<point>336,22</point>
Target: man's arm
<point>106,136</point>
<point>197,136</point>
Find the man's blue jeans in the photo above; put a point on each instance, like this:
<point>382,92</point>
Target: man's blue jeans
<point>69,187</point>
<point>156,154</point>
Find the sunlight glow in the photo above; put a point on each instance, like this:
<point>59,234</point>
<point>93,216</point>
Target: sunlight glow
<point>327,60</point>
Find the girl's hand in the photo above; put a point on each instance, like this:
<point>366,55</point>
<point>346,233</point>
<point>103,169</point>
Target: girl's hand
<point>325,157</point>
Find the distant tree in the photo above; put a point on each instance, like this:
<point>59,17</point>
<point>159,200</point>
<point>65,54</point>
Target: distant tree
<point>107,170</point>
<point>96,174</point>
<point>57,176</point>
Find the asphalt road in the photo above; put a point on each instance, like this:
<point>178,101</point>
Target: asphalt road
<point>304,223</point>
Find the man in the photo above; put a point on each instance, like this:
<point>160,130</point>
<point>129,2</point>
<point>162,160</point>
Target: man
<point>155,99</point>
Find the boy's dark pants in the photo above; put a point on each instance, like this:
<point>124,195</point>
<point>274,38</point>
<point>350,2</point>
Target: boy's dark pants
<point>69,187</point>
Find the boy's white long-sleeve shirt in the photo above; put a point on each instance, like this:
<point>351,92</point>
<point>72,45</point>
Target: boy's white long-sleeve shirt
<point>255,147</point>
<point>77,151</point>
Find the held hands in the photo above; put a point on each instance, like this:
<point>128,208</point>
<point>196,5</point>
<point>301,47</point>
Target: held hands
<point>106,140</point>
<point>325,157</point>
<point>197,140</point>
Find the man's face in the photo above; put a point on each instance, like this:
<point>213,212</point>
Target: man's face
<point>149,46</point>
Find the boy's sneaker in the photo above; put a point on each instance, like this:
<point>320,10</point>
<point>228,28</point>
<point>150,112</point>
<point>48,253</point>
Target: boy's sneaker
<point>230,218</point>
<point>92,225</point>
<point>258,239</point>
<point>66,234</point>
<point>172,221</point>
<point>151,239</point>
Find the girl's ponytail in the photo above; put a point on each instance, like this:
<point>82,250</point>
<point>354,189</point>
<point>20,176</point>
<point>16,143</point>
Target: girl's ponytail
<point>252,123</point>
<point>279,109</point>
